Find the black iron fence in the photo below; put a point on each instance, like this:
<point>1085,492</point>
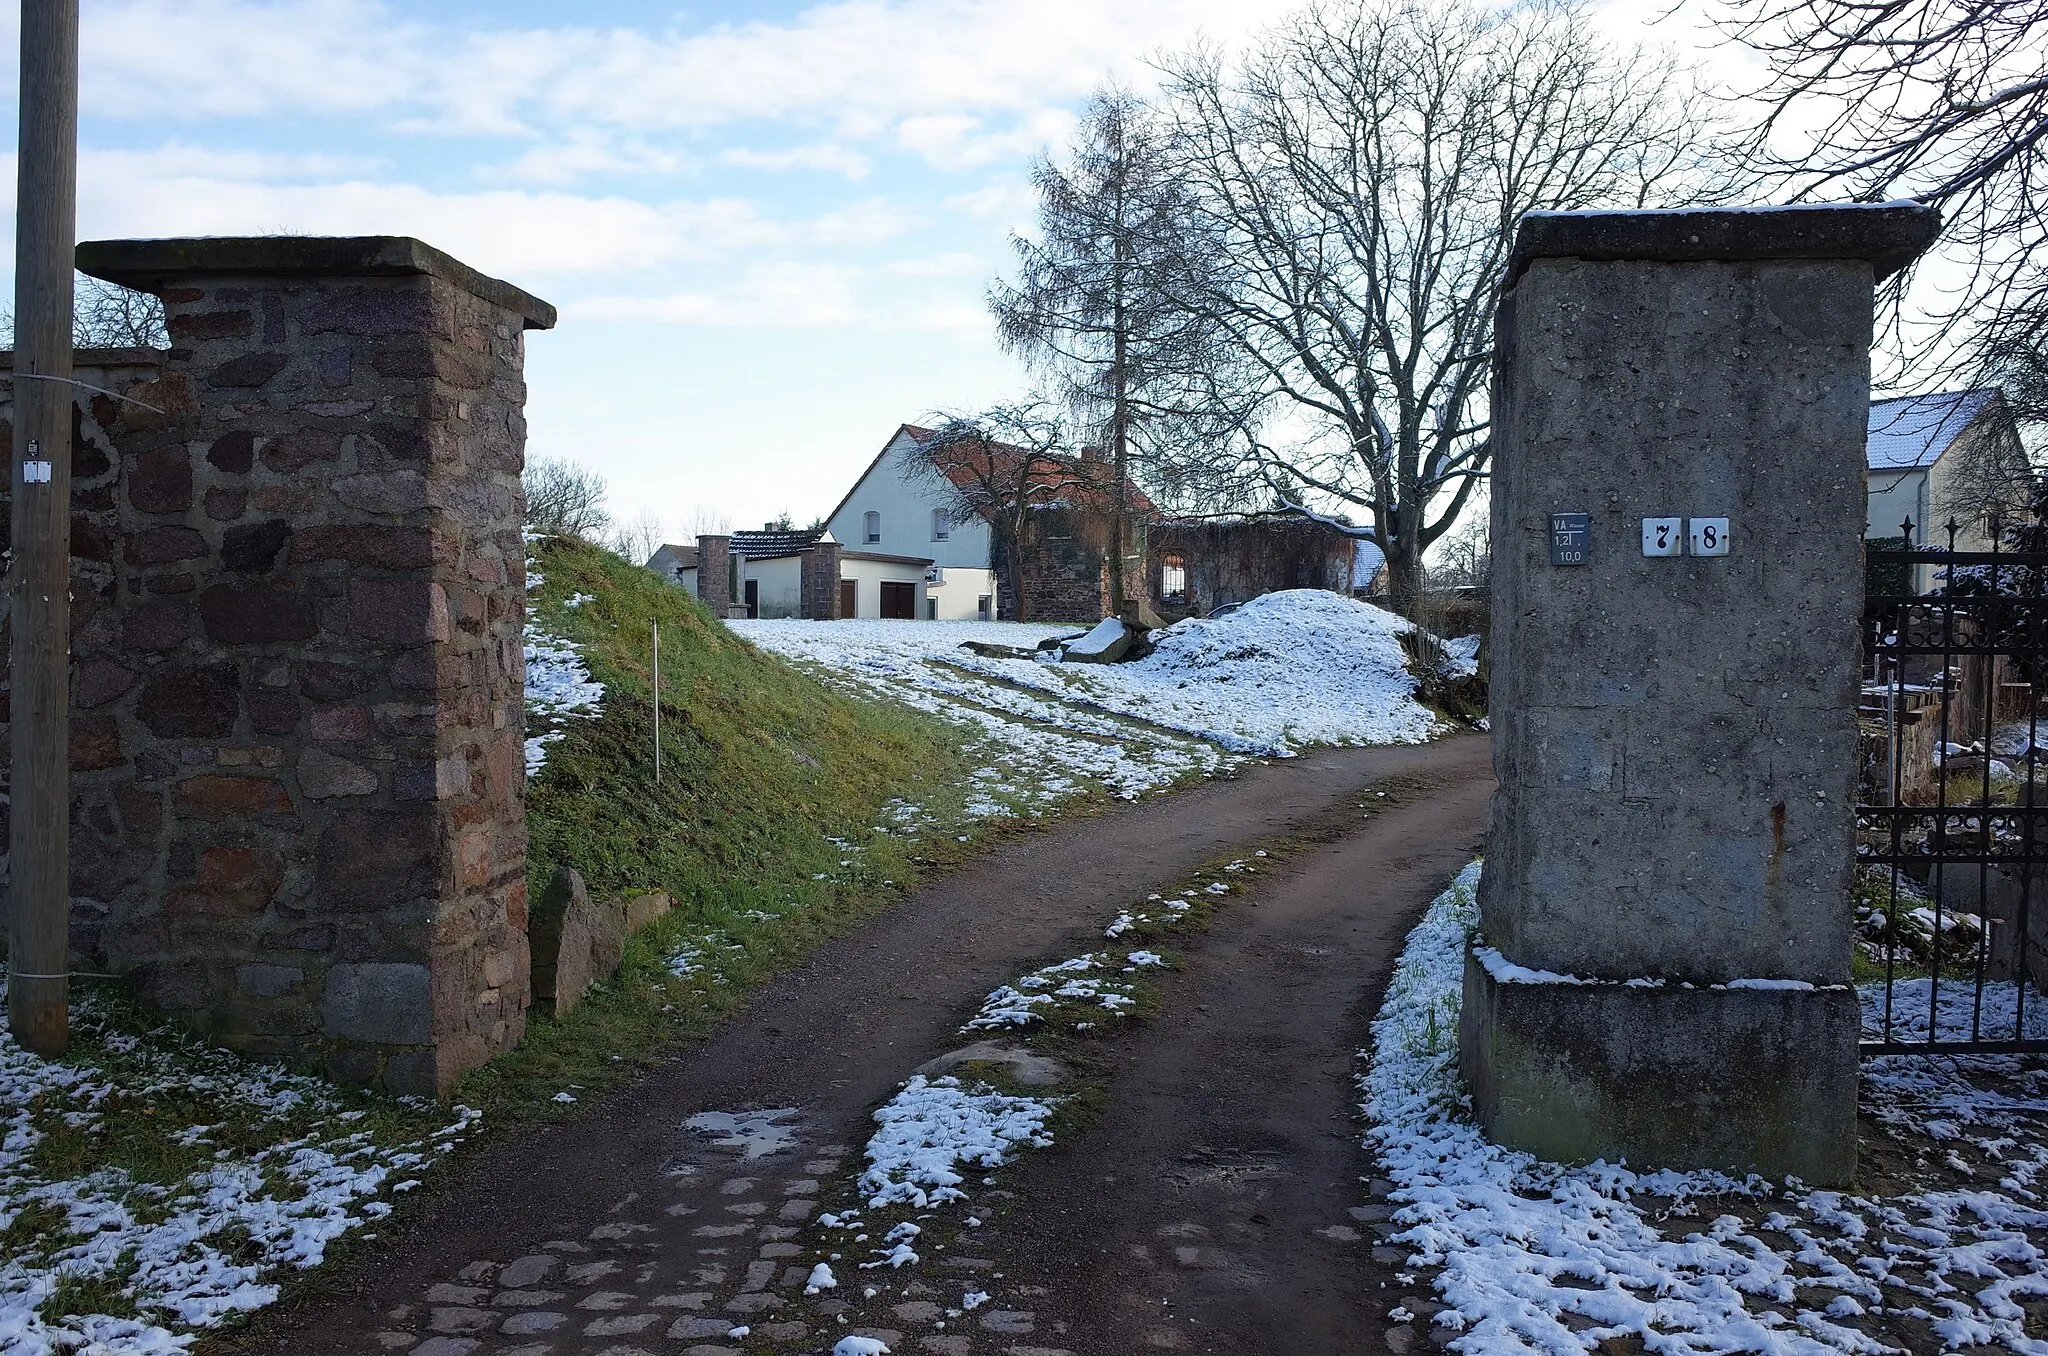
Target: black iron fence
<point>1952,814</point>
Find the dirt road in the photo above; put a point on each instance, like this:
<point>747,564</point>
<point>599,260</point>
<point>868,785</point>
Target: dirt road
<point>1214,1205</point>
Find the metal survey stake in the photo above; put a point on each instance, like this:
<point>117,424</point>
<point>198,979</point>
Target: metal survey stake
<point>657,703</point>
<point>39,833</point>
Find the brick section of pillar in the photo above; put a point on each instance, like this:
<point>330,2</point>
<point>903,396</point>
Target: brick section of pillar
<point>714,573</point>
<point>298,740</point>
<point>820,581</point>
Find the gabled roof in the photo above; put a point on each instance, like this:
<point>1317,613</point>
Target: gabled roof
<point>1046,490</point>
<point>1054,481</point>
<point>685,557</point>
<point>775,542</point>
<point>1911,432</point>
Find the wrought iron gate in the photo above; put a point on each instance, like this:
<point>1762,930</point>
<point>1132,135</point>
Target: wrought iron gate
<point>1952,813</point>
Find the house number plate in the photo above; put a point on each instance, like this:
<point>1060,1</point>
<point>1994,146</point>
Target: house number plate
<point>1570,536</point>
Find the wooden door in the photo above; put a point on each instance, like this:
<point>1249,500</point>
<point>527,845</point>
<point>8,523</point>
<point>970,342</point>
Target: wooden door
<point>849,598</point>
<point>753,598</point>
<point>899,600</point>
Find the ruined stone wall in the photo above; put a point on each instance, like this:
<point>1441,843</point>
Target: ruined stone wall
<point>1235,561</point>
<point>297,683</point>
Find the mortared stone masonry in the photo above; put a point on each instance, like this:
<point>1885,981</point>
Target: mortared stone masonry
<point>297,683</point>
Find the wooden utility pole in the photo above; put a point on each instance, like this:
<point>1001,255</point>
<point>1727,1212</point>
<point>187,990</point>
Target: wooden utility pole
<point>39,837</point>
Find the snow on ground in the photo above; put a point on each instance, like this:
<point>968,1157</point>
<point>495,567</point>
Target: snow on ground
<point>1034,752</point>
<point>1531,1256</point>
<point>1283,672</point>
<point>933,1128</point>
<point>151,1186</point>
<point>558,686</point>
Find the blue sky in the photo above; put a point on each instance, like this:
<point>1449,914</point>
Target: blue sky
<point>768,226</point>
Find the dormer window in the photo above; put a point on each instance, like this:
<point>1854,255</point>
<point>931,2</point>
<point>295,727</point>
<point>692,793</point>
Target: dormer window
<point>872,522</point>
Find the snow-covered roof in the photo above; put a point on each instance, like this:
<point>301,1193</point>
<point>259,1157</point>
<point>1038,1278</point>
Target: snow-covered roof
<point>1911,432</point>
<point>1366,559</point>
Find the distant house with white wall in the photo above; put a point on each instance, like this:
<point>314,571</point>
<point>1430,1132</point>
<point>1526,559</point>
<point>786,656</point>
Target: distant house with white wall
<point>767,573</point>
<point>896,511</point>
<point>1929,457</point>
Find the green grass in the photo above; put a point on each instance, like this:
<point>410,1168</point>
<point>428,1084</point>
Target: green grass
<point>763,768</point>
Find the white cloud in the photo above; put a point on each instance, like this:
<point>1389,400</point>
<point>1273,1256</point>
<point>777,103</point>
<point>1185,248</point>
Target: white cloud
<point>827,157</point>
<point>516,233</point>
<point>860,66</point>
<point>585,151</point>
<point>955,265</point>
<point>1009,199</point>
<point>772,296</point>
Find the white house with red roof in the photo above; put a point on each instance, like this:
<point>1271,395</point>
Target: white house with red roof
<point>897,511</point>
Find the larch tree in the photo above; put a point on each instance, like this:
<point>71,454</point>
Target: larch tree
<point>1094,306</point>
<point>1357,177</point>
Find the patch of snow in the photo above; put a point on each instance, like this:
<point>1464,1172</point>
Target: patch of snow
<point>194,1251</point>
<point>860,1346</point>
<point>1538,1257</point>
<point>1036,751</point>
<point>1284,672</point>
<point>1461,656</point>
<point>756,1134</point>
<point>821,1278</point>
<point>934,1126</point>
<point>558,685</point>
<point>1104,634</point>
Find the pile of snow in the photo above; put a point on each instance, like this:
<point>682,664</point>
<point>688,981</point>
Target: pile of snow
<point>1283,672</point>
<point>190,1253</point>
<point>933,1127</point>
<point>1537,1257</point>
<point>1035,752</point>
<point>1083,982</point>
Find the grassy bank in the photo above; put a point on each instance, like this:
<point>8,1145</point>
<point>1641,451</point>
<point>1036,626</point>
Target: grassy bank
<point>784,813</point>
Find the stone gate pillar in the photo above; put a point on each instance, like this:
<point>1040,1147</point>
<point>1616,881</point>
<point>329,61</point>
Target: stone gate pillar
<point>305,656</point>
<point>1662,968</point>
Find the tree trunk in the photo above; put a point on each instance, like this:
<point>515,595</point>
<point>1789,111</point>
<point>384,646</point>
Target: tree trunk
<point>1404,579</point>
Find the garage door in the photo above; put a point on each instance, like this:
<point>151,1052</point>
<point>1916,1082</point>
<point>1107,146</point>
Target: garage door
<point>899,600</point>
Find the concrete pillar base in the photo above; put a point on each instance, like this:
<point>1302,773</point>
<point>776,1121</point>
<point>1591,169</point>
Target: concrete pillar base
<point>1742,1080</point>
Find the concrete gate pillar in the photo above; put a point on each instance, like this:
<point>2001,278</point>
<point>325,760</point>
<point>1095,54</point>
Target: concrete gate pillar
<point>1662,969</point>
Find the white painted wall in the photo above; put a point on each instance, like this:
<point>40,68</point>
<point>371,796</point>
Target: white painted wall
<point>867,577</point>
<point>904,504</point>
<point>1895,496</point>
<point>959,593</point>
<point>781,581</point>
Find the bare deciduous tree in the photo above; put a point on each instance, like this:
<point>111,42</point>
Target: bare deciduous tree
<point>1941,100</point>
<point>564,498</point>
<point>1001,465</point>
<point>639,539</point>
<point>108,315</point>
<point>1361,171</point>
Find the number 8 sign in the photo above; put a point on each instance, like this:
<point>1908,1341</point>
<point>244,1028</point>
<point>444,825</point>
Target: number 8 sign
<point>1708,536</point>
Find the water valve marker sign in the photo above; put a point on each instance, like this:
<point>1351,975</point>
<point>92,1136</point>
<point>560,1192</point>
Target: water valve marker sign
<point>1571,536</point>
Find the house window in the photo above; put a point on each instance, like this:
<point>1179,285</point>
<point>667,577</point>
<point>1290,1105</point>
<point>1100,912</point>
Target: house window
<point>984,607</point>
<point>942,526</point>
<point>1173,578</point>
<point>872,521</point>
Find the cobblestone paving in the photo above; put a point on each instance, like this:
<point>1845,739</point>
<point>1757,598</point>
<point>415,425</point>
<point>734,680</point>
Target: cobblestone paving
<point>716,1265</point>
